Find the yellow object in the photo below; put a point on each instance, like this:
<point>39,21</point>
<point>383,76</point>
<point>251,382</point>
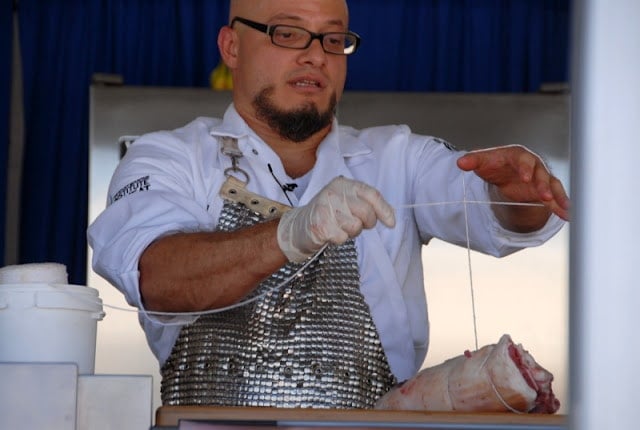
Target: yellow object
<point>220,78</point>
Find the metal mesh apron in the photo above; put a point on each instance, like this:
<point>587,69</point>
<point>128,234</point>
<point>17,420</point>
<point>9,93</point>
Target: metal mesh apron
<point>310,343</point>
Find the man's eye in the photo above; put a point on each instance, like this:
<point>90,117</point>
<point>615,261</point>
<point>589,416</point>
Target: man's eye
<point>289,35</point>
<point>284,35</point>
<point>335,41</point>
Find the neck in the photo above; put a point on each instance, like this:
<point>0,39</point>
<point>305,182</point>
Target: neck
<point>297,158</point>
<point>297,163</point>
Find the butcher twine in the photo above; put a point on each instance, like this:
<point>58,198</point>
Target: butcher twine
<point>311,343</point>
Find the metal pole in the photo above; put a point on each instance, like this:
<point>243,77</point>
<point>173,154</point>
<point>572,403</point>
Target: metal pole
<point>605,232</point>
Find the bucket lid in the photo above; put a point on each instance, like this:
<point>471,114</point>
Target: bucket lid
<point>50,296</point>
<point>49,273</point>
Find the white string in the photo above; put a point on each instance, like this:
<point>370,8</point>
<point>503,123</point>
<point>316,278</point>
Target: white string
<point>308,262</point>
<point>465,202</point>
<point>493,386</point>
<point>475,202</point>
<point>211,311</point>
<point>466,226</point>
<point>502,400</point>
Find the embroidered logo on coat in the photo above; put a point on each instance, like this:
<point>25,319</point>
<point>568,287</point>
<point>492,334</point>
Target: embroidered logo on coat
<point>141,184</point>
<point>448,145</point>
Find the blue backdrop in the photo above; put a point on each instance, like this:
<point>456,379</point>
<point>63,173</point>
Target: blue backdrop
<point>410,45</point>
<point>5,93</point>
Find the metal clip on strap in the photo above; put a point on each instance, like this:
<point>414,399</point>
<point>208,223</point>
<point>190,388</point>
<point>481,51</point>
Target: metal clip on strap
<point>230,148</point>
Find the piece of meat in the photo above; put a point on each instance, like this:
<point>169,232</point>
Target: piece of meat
<point>496,378</point>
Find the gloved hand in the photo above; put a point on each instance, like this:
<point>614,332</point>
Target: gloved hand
<point>338,212</point>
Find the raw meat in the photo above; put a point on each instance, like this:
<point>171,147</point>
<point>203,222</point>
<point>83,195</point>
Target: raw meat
<point>496,378</point>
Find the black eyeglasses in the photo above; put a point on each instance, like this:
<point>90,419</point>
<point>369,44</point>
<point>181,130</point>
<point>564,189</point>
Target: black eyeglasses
<point>290,36</point>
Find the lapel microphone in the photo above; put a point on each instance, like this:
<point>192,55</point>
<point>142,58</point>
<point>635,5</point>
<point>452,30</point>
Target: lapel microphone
<point>286,188</point>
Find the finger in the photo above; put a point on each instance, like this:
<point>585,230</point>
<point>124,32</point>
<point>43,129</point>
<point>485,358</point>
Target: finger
<point>530,166</point>
<point>364,211</point>
<point>554,207</point>
<point>561,198</point>
<point>559,203</point>
<point>469,161</point>
<point>543,183</point>
<point>383,210</point>
<point>329,231</point>
<point>493,158</point>
<point>550,187</point>
<point>346,201</point>
<point>560,194</point>
<point>349,225</point>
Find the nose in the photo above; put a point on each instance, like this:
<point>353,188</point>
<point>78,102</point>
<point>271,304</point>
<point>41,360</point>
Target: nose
<point>318,37</point>
<point>315,53</point>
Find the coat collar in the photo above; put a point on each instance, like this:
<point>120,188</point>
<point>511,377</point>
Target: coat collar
<point>341,139</point>
<point>333,154</point>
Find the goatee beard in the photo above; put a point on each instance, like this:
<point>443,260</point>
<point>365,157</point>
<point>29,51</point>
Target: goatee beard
<point>296,125</point>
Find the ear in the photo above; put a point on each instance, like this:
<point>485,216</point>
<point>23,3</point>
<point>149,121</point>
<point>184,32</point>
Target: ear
<point>228,46</point>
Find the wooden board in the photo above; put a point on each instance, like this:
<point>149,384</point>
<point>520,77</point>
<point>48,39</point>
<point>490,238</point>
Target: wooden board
<point>171,415</point>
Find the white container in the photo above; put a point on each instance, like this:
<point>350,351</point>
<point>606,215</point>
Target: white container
<point>49,323</point>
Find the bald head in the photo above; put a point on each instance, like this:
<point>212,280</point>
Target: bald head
<point>235,8</point>
<point>257,7</point>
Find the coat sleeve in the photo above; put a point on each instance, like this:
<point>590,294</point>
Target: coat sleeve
<point>157,189</point>
<point>457,199</point>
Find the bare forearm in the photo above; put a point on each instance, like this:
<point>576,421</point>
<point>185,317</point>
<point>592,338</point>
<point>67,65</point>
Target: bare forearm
<point>520,219</point>
<point>199,271</point>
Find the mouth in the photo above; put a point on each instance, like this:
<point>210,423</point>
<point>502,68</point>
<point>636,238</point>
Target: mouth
<point>306,83</point>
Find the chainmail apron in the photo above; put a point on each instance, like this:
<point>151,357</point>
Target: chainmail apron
<point>310,343</point>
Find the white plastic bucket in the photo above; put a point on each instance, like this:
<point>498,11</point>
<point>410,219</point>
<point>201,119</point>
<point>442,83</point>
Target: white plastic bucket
<point>49,323</point>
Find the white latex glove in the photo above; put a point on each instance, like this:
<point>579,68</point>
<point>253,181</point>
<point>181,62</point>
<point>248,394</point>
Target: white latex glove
<point>338,212</point>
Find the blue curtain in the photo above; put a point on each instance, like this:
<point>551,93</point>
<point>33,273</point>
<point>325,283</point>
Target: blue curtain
<point>54,184</point>
<point>411,45</point>
<point>63,43</point>
<point>459,45</point>
<point>156,42</point>
<point>6,40</point>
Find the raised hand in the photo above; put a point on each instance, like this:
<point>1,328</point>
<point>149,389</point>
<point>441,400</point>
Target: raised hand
<point>518,175</point>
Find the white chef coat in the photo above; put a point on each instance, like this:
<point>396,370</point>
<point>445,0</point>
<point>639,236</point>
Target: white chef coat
<point>169,182</point>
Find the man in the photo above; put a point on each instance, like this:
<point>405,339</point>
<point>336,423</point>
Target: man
<point>318,306</point>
